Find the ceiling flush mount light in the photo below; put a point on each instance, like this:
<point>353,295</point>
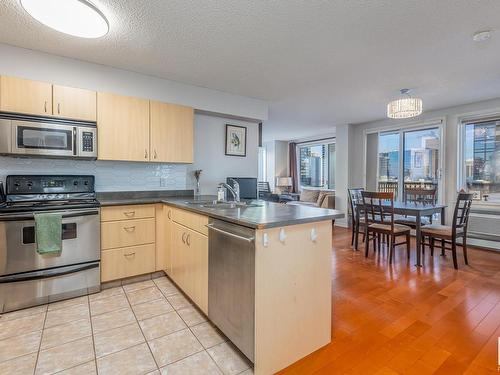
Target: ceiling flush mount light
<point>481,36</point>
<point>74,17</point>
<point>405,107</point>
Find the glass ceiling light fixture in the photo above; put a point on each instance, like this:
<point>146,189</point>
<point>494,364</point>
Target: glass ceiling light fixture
<point>404,107</point>
<point>74,17</point>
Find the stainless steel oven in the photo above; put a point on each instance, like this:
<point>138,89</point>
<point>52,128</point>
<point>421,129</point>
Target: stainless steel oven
<point>48,138</point>
<point>28,278</point>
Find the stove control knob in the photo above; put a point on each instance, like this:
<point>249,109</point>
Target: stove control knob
<point>75,182</point>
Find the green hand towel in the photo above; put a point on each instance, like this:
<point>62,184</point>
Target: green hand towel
<point>48,232</point>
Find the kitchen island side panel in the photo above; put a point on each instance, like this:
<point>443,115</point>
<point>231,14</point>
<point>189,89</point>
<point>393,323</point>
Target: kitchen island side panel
<point>293,301</point>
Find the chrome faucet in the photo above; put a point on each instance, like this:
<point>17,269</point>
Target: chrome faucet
<point>234,191</point>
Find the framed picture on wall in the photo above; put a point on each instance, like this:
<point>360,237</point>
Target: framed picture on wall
<point>236,140</point>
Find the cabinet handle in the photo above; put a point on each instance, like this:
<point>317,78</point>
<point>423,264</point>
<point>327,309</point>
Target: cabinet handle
<point>156,155</point>
<point>45,106</point>
<point>129,213</point>
<point>58,108</point>
<point>145,154</point>
<point>183,237</point>
<point>188,240</point>
<point>129,229</point>
<point>129,255</point>
<point>169,214</point>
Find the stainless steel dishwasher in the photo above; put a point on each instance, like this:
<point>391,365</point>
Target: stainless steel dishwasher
<point>231,282</point>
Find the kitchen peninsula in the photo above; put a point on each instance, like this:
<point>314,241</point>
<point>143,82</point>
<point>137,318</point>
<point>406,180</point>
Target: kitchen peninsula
<point>261,272</point>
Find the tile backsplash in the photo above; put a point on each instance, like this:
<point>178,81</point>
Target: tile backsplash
<point>109,175</point>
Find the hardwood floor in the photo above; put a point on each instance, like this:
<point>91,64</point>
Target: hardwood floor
<point>403,320</point>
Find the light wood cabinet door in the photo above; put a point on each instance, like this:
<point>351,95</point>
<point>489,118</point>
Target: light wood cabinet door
<point>73,103</point>
<point>25,96</point>
<point>191,220</point>
<point>127,261</point>
<point>190,263</point>
<point>178,256</point>
<point>171,137</point>
<point>127,233</point>
<point>123,126</point>
<point>167,233</point>
<point>197,268</point>
<point>129,212</point>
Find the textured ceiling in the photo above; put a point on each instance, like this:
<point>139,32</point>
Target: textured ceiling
<point>318,63</point>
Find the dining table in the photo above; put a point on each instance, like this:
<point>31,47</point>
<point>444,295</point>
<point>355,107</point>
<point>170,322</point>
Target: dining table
<point>417,210</point>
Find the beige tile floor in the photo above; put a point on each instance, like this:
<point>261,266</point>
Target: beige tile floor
<point>148,327</point>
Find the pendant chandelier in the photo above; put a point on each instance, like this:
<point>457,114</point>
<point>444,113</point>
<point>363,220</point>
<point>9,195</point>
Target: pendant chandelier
<point>404,107</point>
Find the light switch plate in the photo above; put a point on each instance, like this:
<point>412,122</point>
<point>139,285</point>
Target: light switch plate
<point>163,181</point>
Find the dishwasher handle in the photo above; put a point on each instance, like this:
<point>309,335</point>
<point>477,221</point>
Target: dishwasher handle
<point>247,239</point>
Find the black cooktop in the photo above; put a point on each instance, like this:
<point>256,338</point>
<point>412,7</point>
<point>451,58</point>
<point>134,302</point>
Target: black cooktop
<point>48,192</point>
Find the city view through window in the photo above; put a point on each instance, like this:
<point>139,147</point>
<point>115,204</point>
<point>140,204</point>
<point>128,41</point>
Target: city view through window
<point>482,160</point>
<point>420,162</point>
<point>317,165</point>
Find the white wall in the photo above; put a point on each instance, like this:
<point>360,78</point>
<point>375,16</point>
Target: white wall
<point>277,161</point>
<point>209,138</point>
<point>342,170</point>
<point>451,118</point>
<point>270,162</point>
<point>50,68</point>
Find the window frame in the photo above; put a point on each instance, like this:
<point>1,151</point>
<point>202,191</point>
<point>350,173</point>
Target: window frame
<point>314,142</point>
<point>463,121</point>
<point>438,122</point>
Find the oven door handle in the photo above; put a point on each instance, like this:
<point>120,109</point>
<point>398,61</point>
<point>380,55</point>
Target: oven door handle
<point>31,217</point>
<point>45,274</point>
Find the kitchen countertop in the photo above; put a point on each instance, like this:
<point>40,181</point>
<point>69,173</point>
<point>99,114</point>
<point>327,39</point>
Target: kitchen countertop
<point>260,215</point>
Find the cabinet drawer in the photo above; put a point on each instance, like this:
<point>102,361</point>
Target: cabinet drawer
<point>127,233</point>
<point>126,262</point>
<point>113,213</point>
<point>191,220</point>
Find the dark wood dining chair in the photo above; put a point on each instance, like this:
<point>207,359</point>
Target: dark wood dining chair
<point>418,195</point>
<point>355,199</point>
<point>448,235</point>
<point>379,217</point>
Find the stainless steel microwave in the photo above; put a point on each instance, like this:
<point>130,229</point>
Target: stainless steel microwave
<point>48,138</point>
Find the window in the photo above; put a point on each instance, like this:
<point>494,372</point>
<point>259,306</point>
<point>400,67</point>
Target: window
<point>317,165</point>
<point>408,156</point>
<point>481,159</point>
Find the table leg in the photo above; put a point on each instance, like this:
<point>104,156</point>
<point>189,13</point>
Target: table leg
<point>356,233</point>
<point>417,233</point>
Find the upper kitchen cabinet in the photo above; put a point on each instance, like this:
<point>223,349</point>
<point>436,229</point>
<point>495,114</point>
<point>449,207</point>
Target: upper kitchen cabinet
<point>123,126</point>
<point>171,135</point>
<point>73,103</point>
<point>25,96</point>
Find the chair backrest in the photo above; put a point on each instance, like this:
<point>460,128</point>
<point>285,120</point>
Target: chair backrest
<point>378,207</point>
<point>388,187</point>
<point>419,195</point>
<point>462,210</point>
<point>355,198</point>
<point>263,187</point>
